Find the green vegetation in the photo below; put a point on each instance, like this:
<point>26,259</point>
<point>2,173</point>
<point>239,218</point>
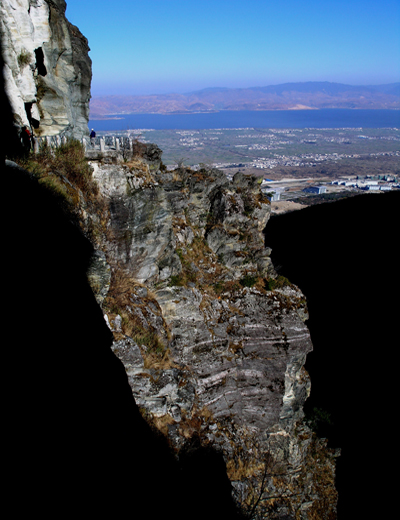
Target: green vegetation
<point>24,58</point>
<point>190,258</point>
<point>276,283</point>
<point>149,339</point>
<point>176,281</point>
<point>248,280</point>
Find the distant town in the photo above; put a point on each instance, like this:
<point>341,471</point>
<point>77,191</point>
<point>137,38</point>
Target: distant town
<point>294,164</point>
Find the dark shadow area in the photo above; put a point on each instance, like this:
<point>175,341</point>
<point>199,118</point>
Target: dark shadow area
<point>345,258</point>
<point>34,123</point>
<point>74,442</point>
<point>210,489</point>
<point>72,427</point>
<point>40,66</point>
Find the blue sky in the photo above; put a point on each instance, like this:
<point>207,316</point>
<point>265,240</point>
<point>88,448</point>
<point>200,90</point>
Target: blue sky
<point>164,46</point>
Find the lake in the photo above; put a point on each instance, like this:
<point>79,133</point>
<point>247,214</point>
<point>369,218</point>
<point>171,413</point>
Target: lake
<point>325,118</point>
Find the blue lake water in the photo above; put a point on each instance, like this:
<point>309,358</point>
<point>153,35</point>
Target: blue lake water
<point>325,118</point>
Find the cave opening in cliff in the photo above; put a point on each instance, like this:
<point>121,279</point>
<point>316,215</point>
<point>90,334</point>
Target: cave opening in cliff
<point>40,66</point>
<point>34,123</point>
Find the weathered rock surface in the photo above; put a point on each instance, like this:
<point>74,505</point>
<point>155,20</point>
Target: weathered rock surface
<point>213,342</point>
<point>47,68</point>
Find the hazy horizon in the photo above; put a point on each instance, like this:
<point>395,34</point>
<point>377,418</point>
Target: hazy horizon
<point>243,88</point>
<point>180,46</point>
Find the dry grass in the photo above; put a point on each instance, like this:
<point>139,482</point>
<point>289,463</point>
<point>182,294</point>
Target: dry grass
<point>202,175</point>
<point>24,58</point>
<point>140,169</point>
<point>66,164</point>
<point>320,463</point>
<point>191,426</point>
<point>240,469</point>
<point>68,160</point>
<point>196,259</point>
<point>266,485</point>
<point>161,423</point>
<point>119,301</point>
<point>65,173</point>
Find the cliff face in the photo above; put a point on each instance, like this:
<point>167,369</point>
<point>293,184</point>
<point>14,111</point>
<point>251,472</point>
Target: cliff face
<point>47,68</point>
<point>339,362</point>
<point>212,340</point>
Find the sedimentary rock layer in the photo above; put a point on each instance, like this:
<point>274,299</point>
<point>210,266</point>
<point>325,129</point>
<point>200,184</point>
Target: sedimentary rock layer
<point>213,341</point>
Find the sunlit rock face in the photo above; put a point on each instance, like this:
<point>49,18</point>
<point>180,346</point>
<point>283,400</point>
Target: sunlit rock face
<point>213,342</point>
<point>47,68</point>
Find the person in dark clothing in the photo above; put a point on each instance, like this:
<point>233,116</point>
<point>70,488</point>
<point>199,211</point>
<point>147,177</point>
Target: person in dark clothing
<point>92,137</point>
<point>26,139</point>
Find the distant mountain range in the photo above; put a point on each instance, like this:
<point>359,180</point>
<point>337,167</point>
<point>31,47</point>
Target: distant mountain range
<point>287,96</point>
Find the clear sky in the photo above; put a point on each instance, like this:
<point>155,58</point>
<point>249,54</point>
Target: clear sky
<point>164,46</point>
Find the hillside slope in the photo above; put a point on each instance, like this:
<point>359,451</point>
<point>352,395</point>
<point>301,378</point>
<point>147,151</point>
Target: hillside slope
<point>308,95</point>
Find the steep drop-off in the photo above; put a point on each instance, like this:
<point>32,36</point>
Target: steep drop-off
<point>157,358</point>
<point>212,340</point>
<point>345,257</point>
<point>73,437</point>
<point>213,344</point>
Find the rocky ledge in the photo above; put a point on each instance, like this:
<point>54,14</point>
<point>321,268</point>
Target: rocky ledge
<point>212,339</point>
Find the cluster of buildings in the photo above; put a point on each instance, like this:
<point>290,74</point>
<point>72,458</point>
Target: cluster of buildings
<point>309,159</point>
<point>385,183</point>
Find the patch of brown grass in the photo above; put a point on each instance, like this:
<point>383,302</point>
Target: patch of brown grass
<point>140,169</point>
<point>119,301</point>
<point>68,161</point>
<point>65,172</point>
<point>162,423</point>
<point>240,469</point>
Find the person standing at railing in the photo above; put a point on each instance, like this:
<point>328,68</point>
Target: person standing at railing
<point>92,137</point>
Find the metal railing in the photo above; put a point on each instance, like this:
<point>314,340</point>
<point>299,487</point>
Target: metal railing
<point>101,144</point>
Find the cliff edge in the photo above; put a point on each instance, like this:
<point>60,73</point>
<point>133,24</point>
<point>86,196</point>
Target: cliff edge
<point>213,341</point>
<point>151,285</point>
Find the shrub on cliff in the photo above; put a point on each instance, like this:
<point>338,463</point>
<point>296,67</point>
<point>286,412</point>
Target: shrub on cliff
<point>24,58</point>
<point>248,280</point>
<point>67,162</point>
<point>66,173</point>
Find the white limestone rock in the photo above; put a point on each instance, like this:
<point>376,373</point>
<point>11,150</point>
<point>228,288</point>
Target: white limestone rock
<point>47,68</point>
